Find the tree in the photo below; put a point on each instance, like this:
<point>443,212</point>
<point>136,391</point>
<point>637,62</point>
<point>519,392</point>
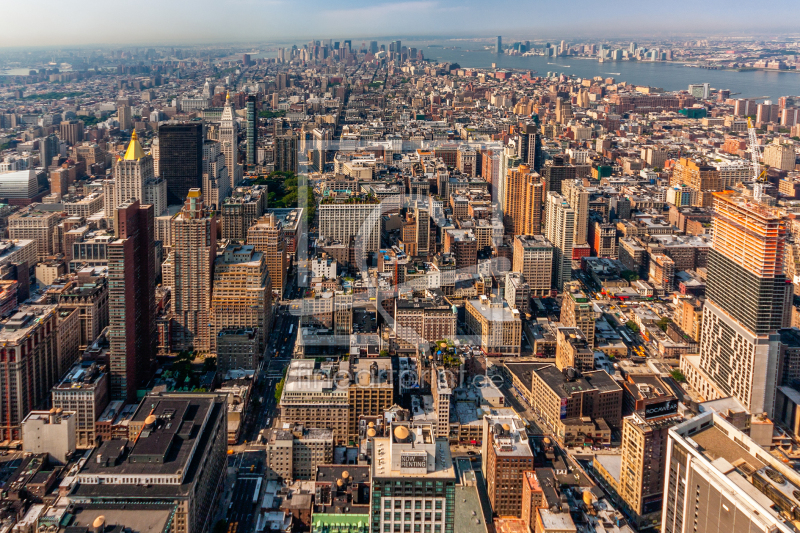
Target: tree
<point>279,389</point>
<point>209,364</point>
<point>629,275</point>
<point>384,353</point>
<point>663,323</point>
<point>632,326</point>
<point>678,376</point>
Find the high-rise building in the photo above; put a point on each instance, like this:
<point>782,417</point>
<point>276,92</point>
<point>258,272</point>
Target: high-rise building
<point>286,153</point>
<point>181,158</point>
<point>37,226</point>
<point>747,301</point>
<point>251,118</point>
<point>560,221</point>
<point>29,340</point>
<point>266,236</point>
<point>416,467</point>
<point>174,451</point>
<point>780,156</point>
<point>719,480</point>
<point>134,179</point>
<point>498,45</point>
<point>342,218</point>
<point>700,176</point>
<point>188,270</point>
<point>557,170</point>
<point>125,117</point>
<point>578,311</point>
<point>530,146</point>
<point>573,350</point>
<point>85,390</point>
<point>229,141</point>
<point>578,198</point>
<point>241,210</point>
<point>242,295</point>
<point>522,205</point>
<point>131,300</point>
<point>533,257</point>
<point>216,181</point>
<point>644,461</point>
<point>563,110</point>
<point>71,132</point>
<point>506,454</point>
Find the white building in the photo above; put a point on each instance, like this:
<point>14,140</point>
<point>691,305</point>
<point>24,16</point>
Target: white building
<point>50,432</point>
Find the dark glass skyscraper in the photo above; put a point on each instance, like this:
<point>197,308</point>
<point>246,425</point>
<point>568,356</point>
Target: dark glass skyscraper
<point>252,129</point>
<point>131,300</point>
<point>181,158</point>
<point>530,147</point>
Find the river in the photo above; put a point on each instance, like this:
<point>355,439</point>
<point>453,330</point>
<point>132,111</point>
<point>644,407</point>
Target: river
<point>669,76</point>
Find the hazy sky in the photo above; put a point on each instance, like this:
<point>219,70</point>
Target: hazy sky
<point>60,22</point>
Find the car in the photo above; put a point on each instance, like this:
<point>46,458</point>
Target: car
<point>471,452</point>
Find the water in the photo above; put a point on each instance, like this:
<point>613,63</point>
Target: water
<point>669,76</point>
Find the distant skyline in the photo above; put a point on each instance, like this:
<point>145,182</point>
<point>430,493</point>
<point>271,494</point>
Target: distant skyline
<point>143,22</point>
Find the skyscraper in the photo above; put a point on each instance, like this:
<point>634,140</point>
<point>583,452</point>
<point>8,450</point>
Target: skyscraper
<point>498,45</point>
<point>530,146</point>
<point>286,153</point>
<point>556,170</point>
<point>748,295</point>
<point>578,198</point>
<point>181,158</point>
<point>506,454</point>
<point>125,117</point>
<point>560,223</point>
<point>216,182</point>
<point>228,139</point>
<point>252,129</point>
<point>134,179</point>
<point>522,206</point>
<point>267,237</point>
<point>644,460</point>
<point>189,270</point>
<point>242,294</point>
<point>131,299</point>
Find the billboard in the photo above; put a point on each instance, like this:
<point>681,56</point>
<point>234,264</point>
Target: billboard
<point>654,410</point>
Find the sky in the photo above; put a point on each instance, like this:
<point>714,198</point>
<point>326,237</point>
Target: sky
<point>157,22</point>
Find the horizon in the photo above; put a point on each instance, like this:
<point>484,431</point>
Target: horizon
<point>274,21</point>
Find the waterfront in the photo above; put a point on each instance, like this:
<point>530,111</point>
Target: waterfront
<point>669,76</point>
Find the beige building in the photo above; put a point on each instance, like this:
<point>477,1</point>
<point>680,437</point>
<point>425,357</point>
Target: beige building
<point>187,271</point>
<point>644,463</point>
<point>38,226</point>
<point>578,311</point>
<point>312,396</point>
<point>242,295</point>
<point>575,405</point>
<point>573,350</point>
<point>134,178</point>
<point>266,236</point>
<point>84,391</point>
<point>295,452</point>
<point>496,324</point>
<point>371,391</point>
<point>533,257</point>
<point>781,156</point>
<point>578,197</point>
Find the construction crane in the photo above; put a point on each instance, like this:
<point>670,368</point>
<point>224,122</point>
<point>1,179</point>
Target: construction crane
<point>755,155</point>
